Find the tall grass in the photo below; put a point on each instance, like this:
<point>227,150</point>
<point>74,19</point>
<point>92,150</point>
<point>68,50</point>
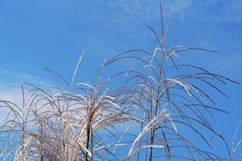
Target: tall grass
<point>152,115</point>
<point>236,144</point>
<point>57,125</point>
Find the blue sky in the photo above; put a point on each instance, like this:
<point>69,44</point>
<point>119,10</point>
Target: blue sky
<point>52,34</point>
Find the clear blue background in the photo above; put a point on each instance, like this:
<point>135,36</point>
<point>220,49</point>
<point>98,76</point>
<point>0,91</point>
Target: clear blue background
<point>53,33</point>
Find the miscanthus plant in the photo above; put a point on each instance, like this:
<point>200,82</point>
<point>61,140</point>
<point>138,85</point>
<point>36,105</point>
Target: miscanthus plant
<point>159,112</point>
<point>57,125</point>
<point>235,153</point>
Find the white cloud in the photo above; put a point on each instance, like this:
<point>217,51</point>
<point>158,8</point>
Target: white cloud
<point>10,88</point>
<point>12,79</point>
<point>209,10</point>
<point>11,94</point>
<point>181,7</point>
<point>8,94</point>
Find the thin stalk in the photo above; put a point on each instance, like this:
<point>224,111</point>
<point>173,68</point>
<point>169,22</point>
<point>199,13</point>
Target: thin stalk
<point>152,136</point>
